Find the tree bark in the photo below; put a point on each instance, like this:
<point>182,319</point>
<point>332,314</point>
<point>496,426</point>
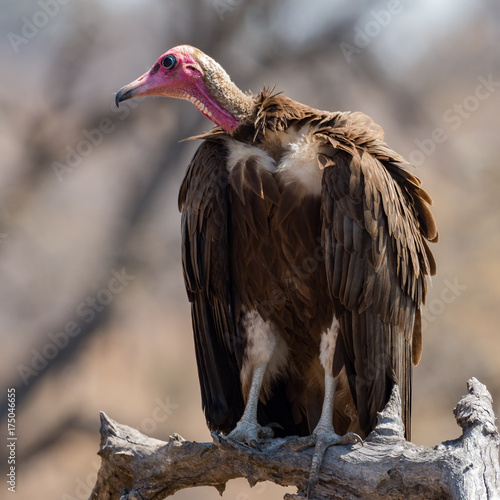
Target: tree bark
<point>136,467</point>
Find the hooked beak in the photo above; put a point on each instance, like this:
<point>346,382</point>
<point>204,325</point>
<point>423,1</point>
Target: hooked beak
<point>141,86</point>
<point>123,94</point>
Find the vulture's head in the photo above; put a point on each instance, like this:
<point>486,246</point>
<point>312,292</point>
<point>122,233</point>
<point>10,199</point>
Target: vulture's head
<point>185,72</point>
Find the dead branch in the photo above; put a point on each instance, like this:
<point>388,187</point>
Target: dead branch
<point>136,467</point>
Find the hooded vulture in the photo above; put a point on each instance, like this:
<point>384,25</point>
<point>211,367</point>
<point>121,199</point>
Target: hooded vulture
<point>304,250</point>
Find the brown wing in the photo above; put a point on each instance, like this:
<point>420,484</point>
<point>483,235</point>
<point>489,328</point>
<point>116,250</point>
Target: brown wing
<point>204,203</point>
<point>375,222</point>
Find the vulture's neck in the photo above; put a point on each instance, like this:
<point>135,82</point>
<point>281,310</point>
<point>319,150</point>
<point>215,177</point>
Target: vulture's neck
<point>230,107</point>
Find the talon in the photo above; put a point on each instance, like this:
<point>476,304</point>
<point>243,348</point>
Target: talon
<point>267,432</point>
<point>250,433</point>
<point>233,442</point>
<point>217,438</point>
<point>350,438</point>
<point>303,443</point>
<point>309,488</point>
<point>275,425</point>
<point>322,439</point>
<point>254,444</point>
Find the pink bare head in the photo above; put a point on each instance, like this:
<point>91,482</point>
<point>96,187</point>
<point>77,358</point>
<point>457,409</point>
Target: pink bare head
<point>185,72</point>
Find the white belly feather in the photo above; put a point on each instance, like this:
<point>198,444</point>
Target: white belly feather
<point>297,166</point>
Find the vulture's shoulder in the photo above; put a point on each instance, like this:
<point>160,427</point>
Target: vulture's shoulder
<point>353,128</point>
<point>277,112</point>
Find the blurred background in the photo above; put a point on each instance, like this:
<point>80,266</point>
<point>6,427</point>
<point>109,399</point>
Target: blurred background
<point>93,311</point>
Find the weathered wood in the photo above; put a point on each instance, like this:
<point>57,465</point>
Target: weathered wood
<point>136,467</point>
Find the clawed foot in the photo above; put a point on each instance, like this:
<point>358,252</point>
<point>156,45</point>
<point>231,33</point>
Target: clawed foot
<point>250,433</point>
<point>322,438</point>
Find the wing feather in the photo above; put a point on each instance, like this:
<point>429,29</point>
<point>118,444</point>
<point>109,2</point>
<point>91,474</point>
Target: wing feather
<point>375,221</point>
<point>203,201</point>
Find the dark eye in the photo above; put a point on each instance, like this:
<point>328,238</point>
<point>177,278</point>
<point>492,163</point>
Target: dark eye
<point>168,62</point>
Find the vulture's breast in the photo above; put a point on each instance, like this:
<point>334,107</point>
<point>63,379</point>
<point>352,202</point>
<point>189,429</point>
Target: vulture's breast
<point>276,228</point>
<point>291,156</point>
<point>298,169</point>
